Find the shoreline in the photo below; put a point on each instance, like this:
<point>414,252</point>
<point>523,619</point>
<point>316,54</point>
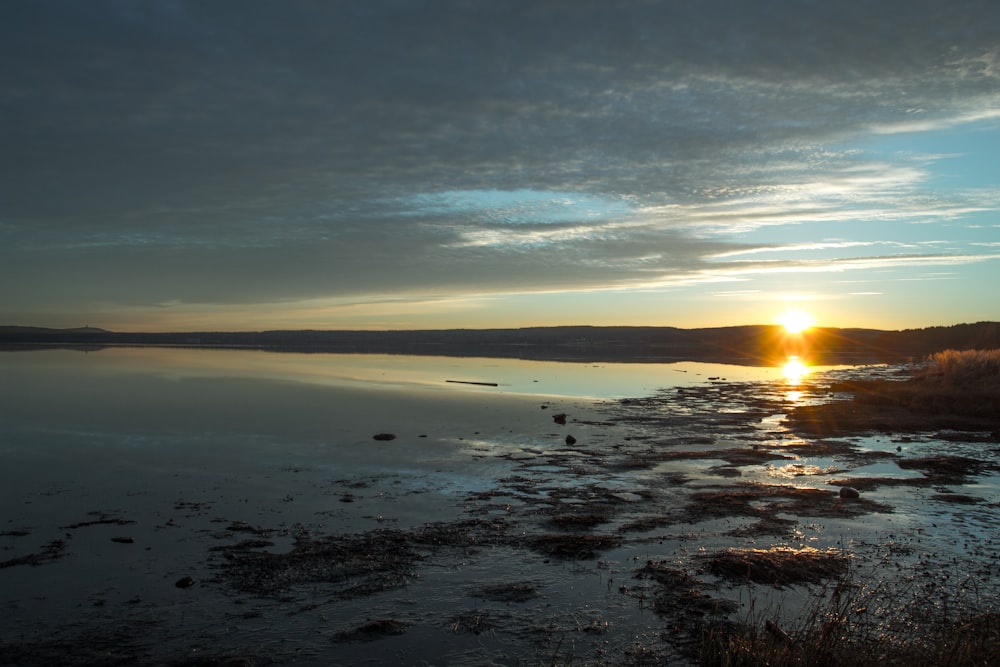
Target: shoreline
<point>514,543</point>
<point>744,345</point>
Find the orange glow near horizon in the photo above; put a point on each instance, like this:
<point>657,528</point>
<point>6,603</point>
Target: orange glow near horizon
<point>795,320</point>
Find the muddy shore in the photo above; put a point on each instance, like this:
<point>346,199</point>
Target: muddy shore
<point>615,535</point>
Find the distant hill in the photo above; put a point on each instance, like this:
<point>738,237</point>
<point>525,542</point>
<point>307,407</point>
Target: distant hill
<point>44,331</point>
<point>750,344</point>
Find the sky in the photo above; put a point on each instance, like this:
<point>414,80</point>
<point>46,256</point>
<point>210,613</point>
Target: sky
<point>403,164</point>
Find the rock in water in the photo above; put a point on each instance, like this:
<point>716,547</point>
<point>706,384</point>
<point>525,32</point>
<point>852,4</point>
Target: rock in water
<point>384,436</point>
<point>570,440</point>
<point>559,418</point>
<point>849,492</point>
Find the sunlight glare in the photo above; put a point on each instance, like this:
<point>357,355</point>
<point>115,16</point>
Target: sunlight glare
<point>795,321</point>
<point>794,370</point>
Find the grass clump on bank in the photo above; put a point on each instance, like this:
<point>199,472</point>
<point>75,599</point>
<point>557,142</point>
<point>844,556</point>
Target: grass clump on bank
<point>965,382</point>
<point>862,627</point>
<point>777,566</point>
<point>955,390</point>
<point>965,369</point>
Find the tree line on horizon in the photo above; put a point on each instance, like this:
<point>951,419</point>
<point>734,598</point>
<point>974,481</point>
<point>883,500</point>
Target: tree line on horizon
<point>747,344</point>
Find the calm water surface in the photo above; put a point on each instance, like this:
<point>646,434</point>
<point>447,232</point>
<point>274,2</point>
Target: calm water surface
<point>127,414</point>
<point>175,449</point>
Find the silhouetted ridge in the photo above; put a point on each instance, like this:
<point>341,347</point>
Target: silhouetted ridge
<point>750,344</point>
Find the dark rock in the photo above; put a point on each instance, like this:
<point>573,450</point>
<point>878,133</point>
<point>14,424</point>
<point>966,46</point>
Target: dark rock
<point>184,582</point>
<point>570,440</point>
<point>559,418</point>
<point>849,493</point>
<point>123,540</point>
<point>384,436</point>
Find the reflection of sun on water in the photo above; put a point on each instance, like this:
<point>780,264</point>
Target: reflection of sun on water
<point>794,370</point>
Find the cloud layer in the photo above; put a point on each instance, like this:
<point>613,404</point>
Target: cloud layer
<point>221,153</point>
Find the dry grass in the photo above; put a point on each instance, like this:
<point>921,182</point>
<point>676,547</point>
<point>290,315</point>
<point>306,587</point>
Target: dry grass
<point>771,505</point>
<point>963,382</point>
<point>680,596</point>
<point>946,469</point>
<point>573,545</point>
<point>956,390</point>
<point>861,626</point>
<point>777,566</point>
<point>54,550</point>
<point>474,621</point>
<point>373,630</point>
<point>974,370</point>
<point>349,565</point>
<point>579,520</point>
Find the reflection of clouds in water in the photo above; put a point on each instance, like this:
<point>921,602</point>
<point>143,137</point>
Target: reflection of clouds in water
<point>547,380</point>
<point>512,450</point>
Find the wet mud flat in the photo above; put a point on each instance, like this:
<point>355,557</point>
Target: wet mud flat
<point>616,533</point>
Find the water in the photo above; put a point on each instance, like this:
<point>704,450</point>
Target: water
<point>128,469</point>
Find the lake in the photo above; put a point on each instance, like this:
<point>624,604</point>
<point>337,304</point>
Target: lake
<point>168,505</point>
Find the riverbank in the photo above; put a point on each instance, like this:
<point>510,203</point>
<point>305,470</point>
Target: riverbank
<point>492,529</point>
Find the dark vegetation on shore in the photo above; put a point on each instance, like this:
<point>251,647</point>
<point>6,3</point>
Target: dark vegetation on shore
<point>751,344</point>
<point>965,383</point>
<point>862,624</point>
<point>956,390</point>
<point>853,623</point>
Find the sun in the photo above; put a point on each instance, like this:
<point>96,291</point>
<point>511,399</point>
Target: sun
<point>795,320</point>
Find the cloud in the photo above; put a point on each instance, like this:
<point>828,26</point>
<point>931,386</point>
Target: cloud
<point>805,247</point>
<point>854,263</point>
<point>234,153</point>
